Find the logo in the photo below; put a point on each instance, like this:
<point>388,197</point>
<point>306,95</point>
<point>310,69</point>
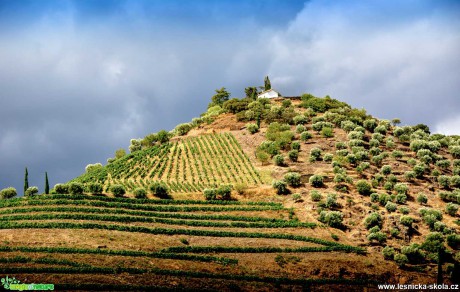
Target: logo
<point>16,285</point>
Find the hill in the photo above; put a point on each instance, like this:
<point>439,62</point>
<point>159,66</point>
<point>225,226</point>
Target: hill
<point>255,194</point>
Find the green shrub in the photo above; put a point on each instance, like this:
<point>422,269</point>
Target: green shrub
<point>401,188</point>
<point>331,200</point>
<point>444,164</point>
<point>455,151</point>
<point>394,232</point>
<point>430,216</point>
<point>315,196</point>
<point>252,128</point>
<point>300,120</point>
<point>8,193</point>
<point>340,145</point>
<point>374,143</point>
<point>315,154</point>
<point>210,194</point>
<point>373,219</point>
<point>413,252</point>
<point>380,129</point>
<point>419,170</point>
<point>61,188</point>
<point>388,252</point>
<point>374,197</point>
<point>412,162</point>
<point>224,192</point>
<point>391,207</point>
<point>451,209</point>
<point>404,210</point>
<point>444,181</point>
<point>316,181</point>
<point>397,154</point>
<point>292,179</point>
<point>422,199</point>
<point>295,146</point>
<point>433,242</point>
<point>304,136</point>
<point>280,187</point>
<point>406,221</point>
<point>386,170</point>
<point>370,124</point>
<point>293,155</point>
<point>401,259</point>
<point>409,175</point>
<point>331,218</point>
<point>159,189</point>
<point>296,197</point>
<point>328,157</point>
<point>117,190</point>
<point>453,240</point>
<point>140,193</point>
<point>300,129</point>
<point>363,187</point>
<point>355,135</point>
<point>76,188</point>
<point>94,188</point>
<point>182,129</point>
<point>31,191</point>
<point>380,237</point>
<point>455,181</point>
<point>278,160</point>
<point>327,132</point>
<point>401,198</point>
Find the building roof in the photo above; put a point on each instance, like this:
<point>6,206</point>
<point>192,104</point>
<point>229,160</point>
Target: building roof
<point>268,91</point>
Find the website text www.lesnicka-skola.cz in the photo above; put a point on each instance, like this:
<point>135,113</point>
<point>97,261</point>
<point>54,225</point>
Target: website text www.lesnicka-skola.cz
<point>418,287</point>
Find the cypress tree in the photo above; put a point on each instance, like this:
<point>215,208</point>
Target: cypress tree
<point>267,83</point>
<point>47,185</point>
<point>26,181</point>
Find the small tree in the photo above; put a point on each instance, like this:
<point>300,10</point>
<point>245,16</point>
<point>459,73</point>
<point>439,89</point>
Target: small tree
<point>61,188</point>
<point>293,155</point>
<point>315,196</point>
<point>224,192</point>
<point>331,218</point>
<point>280,187</point>
<point>31,191</point>
<point>388,252</point>
<point>279,160</point>
<point>267,84</point>
<point>120,153</point>
<point>210,194</point>
<point>401,259</point>
<point>8,193</point>
<point>47,185</point>
<point>159,189</point>
<point>252,128</point>
<point>95,188</point>
<point>117,190</point>
<point>26,180</point>
<point>76,188</point>
<point>292,179</point>
<point>140,193</point>
<point>422,199</point>
<point>363,187</point>
<point>451,209</point>
<point>316,180</point>
<point>374,219</point>
<point>406,221</point>
<point>221,96</point>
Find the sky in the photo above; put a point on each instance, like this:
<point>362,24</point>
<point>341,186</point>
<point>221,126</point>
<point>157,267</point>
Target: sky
<point>79,79</point>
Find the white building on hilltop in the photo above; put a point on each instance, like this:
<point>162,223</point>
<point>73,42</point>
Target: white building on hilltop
<point>269,94</point>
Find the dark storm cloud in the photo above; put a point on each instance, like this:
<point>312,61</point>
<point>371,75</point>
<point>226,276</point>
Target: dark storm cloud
<point>79,80</point>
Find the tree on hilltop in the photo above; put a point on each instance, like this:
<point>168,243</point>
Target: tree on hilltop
<point>221,96</point>
<point>267,83</point>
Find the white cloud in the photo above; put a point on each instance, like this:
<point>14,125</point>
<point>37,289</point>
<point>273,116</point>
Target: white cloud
<point>449,126</point>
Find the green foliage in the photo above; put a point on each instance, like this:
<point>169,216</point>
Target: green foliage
<point>293,155</point>
<point>295,145</point>
<point>316,180</point>
<point>300,129</point>
<point>252,128</point>
<point>430,216</point>
<point>401,260</point>
<point>422,199</point>
<point>327,132</point>
<point>300,120</point>
<point>8,193</point>
<point>397,154</point>
<point>401,188</point>
<point>380,237</point>
<point>304,136</point>
<point>401,198</point>
<point>455,181</point>
<point>140,193</point>
<point>94,188</point>
<point>219,98</point>
<point>236,105</point>
<point>404,210</point>
<point>331,218</point>
<point>117,190</point>
<point>406,221</point>
<point>363,187</point>
<point>316,196</point>
<point>292,179</point>
<point>455,151</point>
<point>453,240</point>
<point>451,209</point>
<point>321,104</point>
<point>47,184</point>
<point>409,175</point>
<point>419,170</point>
<point>31,191</point>
<point>433,242</point>
<point>444,181</point>
<point>61,188</point>
<point>315,154</point>
<point>373,219</point>
<point>328,157</point>
<point>374,197</point>
<point>159,189</point>
<point>223,192</point>
<point>210,194</point>
<point>267,84</point>
<point>391,207</point>
<point>26,180</point>
<point>279,160</point>
<point>163,136</point>
<point>280,187</point>
<point>76,188</point>
<point>386,170</point>
<point>388,252</point>
<point>182,129</point>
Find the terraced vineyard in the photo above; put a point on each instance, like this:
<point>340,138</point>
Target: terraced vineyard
<point>188,165</point>
<point>211,243</point>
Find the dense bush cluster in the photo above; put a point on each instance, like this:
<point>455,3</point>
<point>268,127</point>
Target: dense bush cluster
<point>8,193</point>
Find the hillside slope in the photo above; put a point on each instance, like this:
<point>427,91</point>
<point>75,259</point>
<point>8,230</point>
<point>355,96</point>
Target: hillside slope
<point>322,193</point>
